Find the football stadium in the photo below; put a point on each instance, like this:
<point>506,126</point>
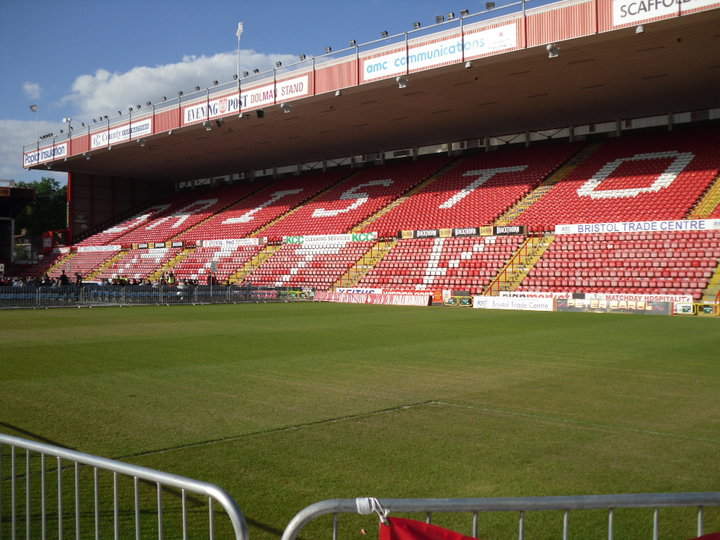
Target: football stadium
<point>457,282</point>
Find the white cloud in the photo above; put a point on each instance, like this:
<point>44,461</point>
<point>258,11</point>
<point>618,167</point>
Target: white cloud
<point>103,91</point>
<point>13,135</point>
<point>32,90</point>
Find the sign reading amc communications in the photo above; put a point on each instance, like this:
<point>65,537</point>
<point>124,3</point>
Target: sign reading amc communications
<point>440,52</point>
<point>121,134</point>
<point>249,99</point>
<point>634,11</point>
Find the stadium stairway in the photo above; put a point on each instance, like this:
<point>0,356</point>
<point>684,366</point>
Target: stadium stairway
<point>253,264</point>
<point>171,264</point>
<point>366,263</point>
<point>708,203</point>
<point>520,264</point>
<point>62,261</point>
<point>535,195</point>
<point>710,294</point>
<point>105,264</point>
<point>397,202</point>
<point>299,206</point>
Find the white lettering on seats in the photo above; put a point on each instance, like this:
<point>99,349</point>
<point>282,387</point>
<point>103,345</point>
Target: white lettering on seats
<point>483,175</point>
<point>139,219</point>
<point>185,212</point>
<point>360,198</point>
<point>680,162</point>
<point>250,215</point>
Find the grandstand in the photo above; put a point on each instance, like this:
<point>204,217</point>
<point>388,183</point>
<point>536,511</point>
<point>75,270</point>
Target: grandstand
<point>435,197</point>
<point>564,155</point>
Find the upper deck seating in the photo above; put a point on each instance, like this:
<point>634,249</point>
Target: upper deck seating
<point>355,199</point>
<point>635,263</point>
<point>269,203</point>
<point>476,190</point>
<point>185,212</point>
<point>633,178</point>
<point>443,263</point>
<point>107,236</point>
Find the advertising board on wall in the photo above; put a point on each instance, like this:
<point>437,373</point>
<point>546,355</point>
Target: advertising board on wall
<point>121,133</point>
<point>445,51</point>
<point>45,154</point>
<point>331,238</point>
<point>509,302</point>
<point>640,226</point>
<point>254,97</point>
<point>635,11</point>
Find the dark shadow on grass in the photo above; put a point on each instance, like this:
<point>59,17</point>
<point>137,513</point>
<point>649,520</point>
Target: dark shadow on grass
<point>35,436</point>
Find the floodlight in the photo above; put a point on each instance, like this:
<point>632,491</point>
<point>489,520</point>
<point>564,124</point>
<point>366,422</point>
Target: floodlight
<point>278,64</point>
<point>639,29</point>
<point>553,50</point>
<point>285,107</point>
<point>464,12</point>
<point>417,24</point>
<point>302,57</point>
<point>402,81</point>
<point>207,125</point>
<point>489,5</point>
<point>384,34</point>
<point>439,19</point>
<point>328,49</point>
<point>353,42</point>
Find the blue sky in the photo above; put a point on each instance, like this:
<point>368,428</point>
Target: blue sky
<point>82,58</point>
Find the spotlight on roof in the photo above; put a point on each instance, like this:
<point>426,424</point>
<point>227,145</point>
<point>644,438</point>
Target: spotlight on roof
<point>451,16</point>
<point>402,81</point>
<point>180,92</point>
<point>256,70</point>
<point>468,64</point>
<point>197,88</point>
<point>164,98</point>
<point>94,120</point>
<point>639,29</point>
<point>148,103</point>
<point>67,120</point>
<point>302,57</point>
<point>338,93</point>
<point>235,77</point>
<point>353,42</point>
<point>328,49</point>
<point>130,108</point>
<point>119,113</point>
<point>278,64</point>
<point>489,5</point>
<point>553,50</point>
<point>285,107</point>
<point>82,124</point>
<point>215,83</point>
<point>464,12</point>
<point>417,24</point>
<point>439,19</point>
<point>207,125</point>
<point>246,73</point>
<point>384,34</point>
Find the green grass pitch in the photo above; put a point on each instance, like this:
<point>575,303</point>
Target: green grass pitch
<point>284,405</point>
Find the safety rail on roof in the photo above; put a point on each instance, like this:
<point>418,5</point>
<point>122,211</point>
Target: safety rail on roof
<point>475,506</point>
<point>25,474</point>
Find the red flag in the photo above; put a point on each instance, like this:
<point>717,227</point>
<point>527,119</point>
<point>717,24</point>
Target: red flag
<point>409,529</point>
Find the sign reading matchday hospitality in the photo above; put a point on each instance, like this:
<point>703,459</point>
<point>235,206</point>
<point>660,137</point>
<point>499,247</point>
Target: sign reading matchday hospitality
<point>640,226</point>
<point>120,134</point>
<point>440,52</point>
<point>249,99</point>
<point>45,154</point>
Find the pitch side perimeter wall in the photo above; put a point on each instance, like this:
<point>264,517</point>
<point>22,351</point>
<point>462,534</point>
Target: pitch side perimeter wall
<point>460,40</point>
<point>97,201</point>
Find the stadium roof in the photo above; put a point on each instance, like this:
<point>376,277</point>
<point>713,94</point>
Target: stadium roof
<point>671,66</point>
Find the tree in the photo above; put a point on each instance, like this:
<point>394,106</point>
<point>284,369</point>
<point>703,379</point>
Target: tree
<point>47,212</point>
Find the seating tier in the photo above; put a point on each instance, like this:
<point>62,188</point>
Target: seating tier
<point>443,263</point>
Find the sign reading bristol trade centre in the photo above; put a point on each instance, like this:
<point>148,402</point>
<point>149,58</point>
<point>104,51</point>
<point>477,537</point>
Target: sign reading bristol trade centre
<point>634,11</point>
<point>249,99</point>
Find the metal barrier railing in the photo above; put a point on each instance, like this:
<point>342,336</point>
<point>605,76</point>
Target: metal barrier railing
<point>99,295</point>
<point>91,520</point>
<point>521,505</point>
